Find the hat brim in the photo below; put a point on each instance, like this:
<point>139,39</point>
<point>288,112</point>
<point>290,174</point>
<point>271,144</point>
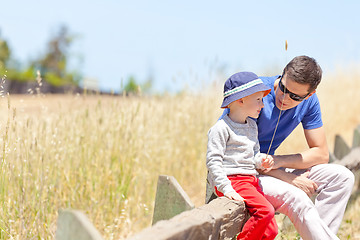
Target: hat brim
<point>236,96</point>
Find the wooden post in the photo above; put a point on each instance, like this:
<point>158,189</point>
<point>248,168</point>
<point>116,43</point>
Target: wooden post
<point>210,195</point>
<point>332,158</point>
<point>351,160</point>
<point>170,199</point>
<point>356,138</point>
<point>341,149</point>
<point>74,225</point>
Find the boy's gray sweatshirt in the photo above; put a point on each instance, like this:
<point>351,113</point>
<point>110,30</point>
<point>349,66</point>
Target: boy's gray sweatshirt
<point>233,148</point>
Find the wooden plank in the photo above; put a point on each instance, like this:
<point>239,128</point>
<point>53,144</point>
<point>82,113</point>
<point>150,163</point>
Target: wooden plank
<point>220,219</point>
<point>170,199</point>
<point>74,225</point>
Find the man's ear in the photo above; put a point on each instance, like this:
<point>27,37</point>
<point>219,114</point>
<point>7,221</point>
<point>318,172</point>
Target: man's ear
<point>311,94</point>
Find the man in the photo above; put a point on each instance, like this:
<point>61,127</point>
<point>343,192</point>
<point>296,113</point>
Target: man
<point>300,176</point>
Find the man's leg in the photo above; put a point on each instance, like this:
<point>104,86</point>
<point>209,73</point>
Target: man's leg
<point>335,184</point>
<point>294,203</point>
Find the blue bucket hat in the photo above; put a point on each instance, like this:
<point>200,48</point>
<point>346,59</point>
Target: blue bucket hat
<point>242,84</point>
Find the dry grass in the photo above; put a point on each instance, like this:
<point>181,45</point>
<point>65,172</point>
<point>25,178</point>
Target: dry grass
<point>98,154</point>
<point>103,155</point>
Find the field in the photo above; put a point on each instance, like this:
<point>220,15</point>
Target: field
<point>103,154</point>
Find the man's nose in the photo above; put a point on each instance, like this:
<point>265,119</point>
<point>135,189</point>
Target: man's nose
<point>285,96</point>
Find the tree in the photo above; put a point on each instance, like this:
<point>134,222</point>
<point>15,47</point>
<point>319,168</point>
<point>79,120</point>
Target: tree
<point>132,87</point>
<point>4,52</point>
<point>53,65</point>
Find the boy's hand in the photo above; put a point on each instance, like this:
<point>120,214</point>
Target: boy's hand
<point>234,196</point>
<point>268,163</point>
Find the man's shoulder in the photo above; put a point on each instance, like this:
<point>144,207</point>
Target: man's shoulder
<point>310,104</point>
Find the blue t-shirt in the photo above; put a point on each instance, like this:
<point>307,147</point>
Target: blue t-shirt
<point>307,112</point>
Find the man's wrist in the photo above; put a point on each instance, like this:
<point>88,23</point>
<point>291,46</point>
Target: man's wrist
<point>295,161</point>
<point>279,161</point>
<point>282,175</point>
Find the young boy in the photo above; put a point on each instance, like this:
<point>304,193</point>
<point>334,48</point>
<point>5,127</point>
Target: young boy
<point>233,154</point>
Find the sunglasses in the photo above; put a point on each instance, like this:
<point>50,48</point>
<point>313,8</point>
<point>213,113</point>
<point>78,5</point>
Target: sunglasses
<point>293,96</point>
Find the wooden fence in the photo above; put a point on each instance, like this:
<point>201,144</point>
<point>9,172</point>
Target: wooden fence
<point>176,218</point>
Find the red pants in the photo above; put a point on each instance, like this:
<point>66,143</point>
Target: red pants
<point>261,224</point>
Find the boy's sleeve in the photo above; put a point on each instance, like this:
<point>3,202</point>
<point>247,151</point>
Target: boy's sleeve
<point>258,160</point>
<point>217,138</point>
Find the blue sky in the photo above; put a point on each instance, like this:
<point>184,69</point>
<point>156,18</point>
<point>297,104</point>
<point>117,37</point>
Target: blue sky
<point>182,43</point>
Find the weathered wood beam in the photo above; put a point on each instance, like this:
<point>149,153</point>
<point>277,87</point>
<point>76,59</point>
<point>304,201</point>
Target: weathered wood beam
<point>220,219</point>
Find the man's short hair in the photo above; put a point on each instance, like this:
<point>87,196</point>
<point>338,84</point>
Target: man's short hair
<point>304,70</point>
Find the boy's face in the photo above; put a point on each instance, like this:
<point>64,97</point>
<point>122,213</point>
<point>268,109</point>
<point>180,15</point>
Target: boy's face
<point>297,91</point>
<point>253,104</point>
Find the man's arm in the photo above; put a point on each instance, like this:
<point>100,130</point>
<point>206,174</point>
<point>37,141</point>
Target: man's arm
<point>317,153</point>
<point>302,181</point>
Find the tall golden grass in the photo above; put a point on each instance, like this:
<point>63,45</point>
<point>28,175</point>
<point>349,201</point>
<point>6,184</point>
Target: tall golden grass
<point>103,154</point>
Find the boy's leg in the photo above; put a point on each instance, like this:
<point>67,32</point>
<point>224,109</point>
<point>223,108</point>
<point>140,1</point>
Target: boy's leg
<point>272,230</point>
<point>261,224</point>
<point>294,203</point>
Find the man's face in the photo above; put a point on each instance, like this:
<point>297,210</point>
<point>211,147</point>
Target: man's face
<point>296,90</point>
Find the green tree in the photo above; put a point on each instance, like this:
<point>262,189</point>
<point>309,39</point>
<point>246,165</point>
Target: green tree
<point>4,52</point>
<point>133,87</point>
<point>53,65</point>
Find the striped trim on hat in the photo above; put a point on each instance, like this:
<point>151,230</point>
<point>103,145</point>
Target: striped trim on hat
<point>243,87</point>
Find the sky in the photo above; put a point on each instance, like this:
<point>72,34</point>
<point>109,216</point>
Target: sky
<point>183,44</point>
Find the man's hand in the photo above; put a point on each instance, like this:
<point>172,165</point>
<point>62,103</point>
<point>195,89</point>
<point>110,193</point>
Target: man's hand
<point>234,196</point>
<point>302,181</point>
<point>305,184</point>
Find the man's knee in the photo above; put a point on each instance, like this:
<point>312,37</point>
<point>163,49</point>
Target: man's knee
<point>344,177</point>
<point>348,177</point>
<point>334,175</point>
